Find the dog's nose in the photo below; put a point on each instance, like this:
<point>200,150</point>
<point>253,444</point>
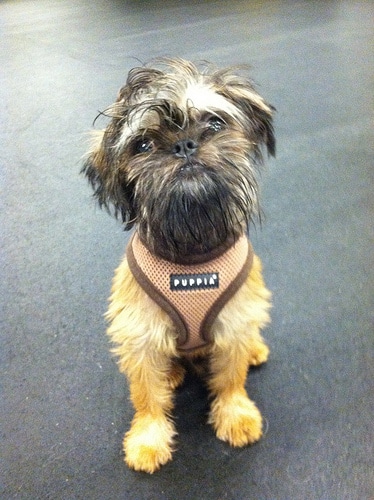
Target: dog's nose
<point>185,148</point>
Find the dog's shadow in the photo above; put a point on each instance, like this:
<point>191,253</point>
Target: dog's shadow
<point>191,403</point>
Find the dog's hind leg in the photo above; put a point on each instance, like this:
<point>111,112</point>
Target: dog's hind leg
<point>176,374</point>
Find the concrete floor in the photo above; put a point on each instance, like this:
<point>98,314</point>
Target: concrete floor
<point>64,405</point>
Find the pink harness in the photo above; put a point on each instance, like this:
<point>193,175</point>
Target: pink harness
<point>192,294</point>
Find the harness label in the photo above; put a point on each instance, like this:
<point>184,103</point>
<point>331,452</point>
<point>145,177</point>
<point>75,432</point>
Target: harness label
<point>188,282</point>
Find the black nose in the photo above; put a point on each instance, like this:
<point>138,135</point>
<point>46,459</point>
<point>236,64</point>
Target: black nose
<point>184,149</point>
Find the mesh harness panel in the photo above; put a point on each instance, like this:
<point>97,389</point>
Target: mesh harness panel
<point>192,294</point>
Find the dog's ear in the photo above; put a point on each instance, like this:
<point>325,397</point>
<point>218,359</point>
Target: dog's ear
<point>257,112</point>
<point>111,188</point>
<point>104,164</point>
<point>260,115</point>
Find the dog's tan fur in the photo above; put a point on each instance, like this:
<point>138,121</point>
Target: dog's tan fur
<point>145,340</point>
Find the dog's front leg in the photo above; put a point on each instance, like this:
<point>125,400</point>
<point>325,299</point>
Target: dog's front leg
<point>148,444</point>
<point>233,415</point>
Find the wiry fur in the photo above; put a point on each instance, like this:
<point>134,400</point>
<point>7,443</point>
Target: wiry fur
<point>178,160</point>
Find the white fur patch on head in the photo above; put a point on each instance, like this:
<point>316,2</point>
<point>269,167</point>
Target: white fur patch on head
<point>202,97</point>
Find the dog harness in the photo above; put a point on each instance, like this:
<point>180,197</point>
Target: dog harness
<point>192,294</point>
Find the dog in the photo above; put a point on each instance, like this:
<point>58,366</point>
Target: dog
<point>178,162</point>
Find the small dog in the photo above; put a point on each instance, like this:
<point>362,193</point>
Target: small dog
<point>178,162</point>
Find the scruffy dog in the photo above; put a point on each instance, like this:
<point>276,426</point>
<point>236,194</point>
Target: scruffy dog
<point>178,163</point>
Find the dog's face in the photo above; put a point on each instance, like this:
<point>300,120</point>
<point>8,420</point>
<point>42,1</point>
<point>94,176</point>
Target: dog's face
<point>179,157</point>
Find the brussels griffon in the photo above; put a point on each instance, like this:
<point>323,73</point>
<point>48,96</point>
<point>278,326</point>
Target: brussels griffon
<point>178,162</point>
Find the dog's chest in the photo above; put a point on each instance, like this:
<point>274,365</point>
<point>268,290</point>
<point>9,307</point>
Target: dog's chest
<point>192,294</point>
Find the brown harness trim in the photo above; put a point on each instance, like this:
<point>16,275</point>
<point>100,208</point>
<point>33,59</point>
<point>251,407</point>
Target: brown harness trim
<point>184,341</point>
<point>155,294</point>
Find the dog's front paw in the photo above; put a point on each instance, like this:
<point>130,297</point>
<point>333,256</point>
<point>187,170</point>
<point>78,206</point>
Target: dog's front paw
<point>236,420</point>
<point>148,444</point>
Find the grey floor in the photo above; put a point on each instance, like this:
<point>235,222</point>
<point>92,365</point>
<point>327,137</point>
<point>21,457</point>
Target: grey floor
<point>64,405</point>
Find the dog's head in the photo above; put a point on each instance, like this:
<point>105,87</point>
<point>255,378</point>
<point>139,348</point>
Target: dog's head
<point>179,156</point>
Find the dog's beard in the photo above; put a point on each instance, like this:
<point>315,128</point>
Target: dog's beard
<point>193,208</point>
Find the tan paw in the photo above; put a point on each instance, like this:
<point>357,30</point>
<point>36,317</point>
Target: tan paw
<point>259,354</point>
<point>148,444</point>
<point>236,420</point>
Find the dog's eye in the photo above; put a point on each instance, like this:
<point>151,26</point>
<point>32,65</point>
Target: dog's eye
<point>143,146</point>
<point>216,124</point>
